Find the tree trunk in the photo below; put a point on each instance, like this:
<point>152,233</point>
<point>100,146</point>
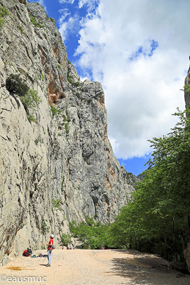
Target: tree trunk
<point>166,247</point>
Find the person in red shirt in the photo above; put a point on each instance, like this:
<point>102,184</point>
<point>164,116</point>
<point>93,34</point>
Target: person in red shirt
<point>50,248</point>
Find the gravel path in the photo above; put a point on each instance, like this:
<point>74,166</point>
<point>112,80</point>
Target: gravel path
<point>76,267</point>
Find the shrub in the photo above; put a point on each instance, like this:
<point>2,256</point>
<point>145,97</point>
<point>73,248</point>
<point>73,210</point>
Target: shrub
<point>59,66</point>
<point>37,141</point>
<point>3,12</point>
<point>44,228</point>
<point>31,118</point>
<point>70,78</point>
<point>30,100</point>
<point>33,21</point>
<point>65,239</point>
<point>54,110</point>
<point>69,62</point>
<point>15,85</point>
<point>43,77</point>
<point>76,84</point>
<point>56,203</point>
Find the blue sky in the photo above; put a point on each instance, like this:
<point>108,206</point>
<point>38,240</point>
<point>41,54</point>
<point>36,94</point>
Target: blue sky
<point>139,52</point>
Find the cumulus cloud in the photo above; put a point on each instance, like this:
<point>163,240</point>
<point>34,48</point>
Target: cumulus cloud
<point>139,51</point>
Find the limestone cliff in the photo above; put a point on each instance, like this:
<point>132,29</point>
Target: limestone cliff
<point>56,161</point>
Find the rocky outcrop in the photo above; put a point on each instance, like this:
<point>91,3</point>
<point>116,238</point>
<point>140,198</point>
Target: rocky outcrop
<point>56,161</point>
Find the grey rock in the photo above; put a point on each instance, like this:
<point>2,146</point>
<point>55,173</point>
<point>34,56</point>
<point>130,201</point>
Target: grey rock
<point>23,2</point>
<point>60,168</point>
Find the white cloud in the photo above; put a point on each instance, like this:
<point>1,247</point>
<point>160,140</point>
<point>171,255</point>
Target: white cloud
<point>68,27</point>
<point>66,1</point>
<point>141,91</point>
<point>90,4</point>
<point>64,15</point>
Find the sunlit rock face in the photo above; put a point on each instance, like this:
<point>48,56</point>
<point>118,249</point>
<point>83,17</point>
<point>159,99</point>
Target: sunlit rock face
<point>58,166</point>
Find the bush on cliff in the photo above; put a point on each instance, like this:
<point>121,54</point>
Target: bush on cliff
<point>15,85</point>
<point>29,97</point>
<point>30,100</point>
<point>3,12</point>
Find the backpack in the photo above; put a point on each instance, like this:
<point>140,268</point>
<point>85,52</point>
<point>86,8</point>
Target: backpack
<point>27,252</point>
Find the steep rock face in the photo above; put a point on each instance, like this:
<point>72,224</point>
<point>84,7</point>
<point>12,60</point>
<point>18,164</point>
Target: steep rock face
<point>61,166</point>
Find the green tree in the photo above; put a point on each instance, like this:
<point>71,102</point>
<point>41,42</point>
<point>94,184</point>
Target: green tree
<point>159,210</point>
<point>90,232</point>
<point>65,239</point>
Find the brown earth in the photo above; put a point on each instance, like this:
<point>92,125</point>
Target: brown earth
<point>100,267</point>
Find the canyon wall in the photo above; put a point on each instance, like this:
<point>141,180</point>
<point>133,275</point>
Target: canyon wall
<point>56,161</point>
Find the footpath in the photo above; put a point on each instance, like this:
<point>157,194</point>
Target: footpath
<point>77,267</point>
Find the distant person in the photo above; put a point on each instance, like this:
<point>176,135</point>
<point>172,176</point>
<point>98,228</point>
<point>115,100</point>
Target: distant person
<point>50,248</point>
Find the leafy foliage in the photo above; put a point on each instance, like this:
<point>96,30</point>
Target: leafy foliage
<point>30,100</point>
<point>65,239</point>
<point>91,233</point>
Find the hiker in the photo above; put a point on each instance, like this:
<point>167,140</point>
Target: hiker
<point>50,248</point>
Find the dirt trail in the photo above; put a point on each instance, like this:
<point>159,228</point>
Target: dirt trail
<point>76,267</point>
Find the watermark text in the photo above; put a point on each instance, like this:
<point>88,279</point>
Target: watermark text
<point>25,279</point>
